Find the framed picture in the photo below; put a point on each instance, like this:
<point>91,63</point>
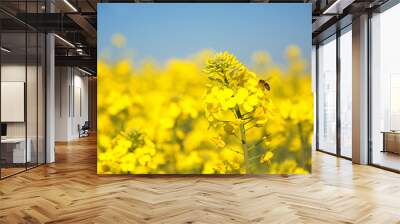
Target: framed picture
<point>204,88</point>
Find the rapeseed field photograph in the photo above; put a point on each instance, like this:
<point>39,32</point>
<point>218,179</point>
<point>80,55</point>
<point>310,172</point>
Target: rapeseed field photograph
<point>204,89</point>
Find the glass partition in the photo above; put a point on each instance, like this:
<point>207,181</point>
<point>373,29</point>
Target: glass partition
<point>327,95</point>
<point>346,92</point>
<point>22,89</point>
<point>41,91</point>
<point>385,89</point>
<point>32,95</point>
<point>33,61</point>
<point>15,151</point>
<point>314,89</point>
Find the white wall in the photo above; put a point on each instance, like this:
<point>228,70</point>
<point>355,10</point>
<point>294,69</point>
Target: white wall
<point>80,115</point>
<point>62,81</point>
<point>71,93</point>
<point>12,73</point>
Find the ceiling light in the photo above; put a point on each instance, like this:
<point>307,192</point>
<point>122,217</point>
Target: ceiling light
<point>5,50</point>
<point>65,41</point>
<point>70,5</point>
<point>333,6</point>
<point>338,6</point>
<point>84,71</point>
<point>79,51</point>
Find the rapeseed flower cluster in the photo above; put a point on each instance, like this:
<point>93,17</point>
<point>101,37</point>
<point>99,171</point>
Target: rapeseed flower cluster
<point>203,114</point>
<point>236,101</point>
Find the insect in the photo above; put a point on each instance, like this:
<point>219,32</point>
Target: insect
<point>264,84</point>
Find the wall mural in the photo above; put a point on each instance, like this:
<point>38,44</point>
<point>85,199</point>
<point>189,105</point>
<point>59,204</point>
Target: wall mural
<point>204,89</point>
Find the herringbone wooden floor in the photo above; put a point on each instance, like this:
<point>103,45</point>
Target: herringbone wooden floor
<point>69,191</point>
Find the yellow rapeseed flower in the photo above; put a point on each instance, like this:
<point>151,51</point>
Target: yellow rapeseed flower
<point>151,119</point>
<point>118,40</point>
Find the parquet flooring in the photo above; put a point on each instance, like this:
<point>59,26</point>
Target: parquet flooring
<point>69,191</point>
<point>10,171</point>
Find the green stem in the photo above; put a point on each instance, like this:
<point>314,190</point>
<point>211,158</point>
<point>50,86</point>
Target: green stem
<point>243,140</point>
<point>244,146</point>
<point>257,143</point>
<point>255,157</point>
<point>242,133</point>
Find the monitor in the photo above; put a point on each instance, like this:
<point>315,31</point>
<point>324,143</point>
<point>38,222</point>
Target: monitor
<point>3,129</point>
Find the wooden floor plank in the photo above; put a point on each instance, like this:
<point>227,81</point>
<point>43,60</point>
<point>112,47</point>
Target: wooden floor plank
<point>70,191</point>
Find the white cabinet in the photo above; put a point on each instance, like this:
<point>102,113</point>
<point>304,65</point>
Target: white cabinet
<point>19,155</point>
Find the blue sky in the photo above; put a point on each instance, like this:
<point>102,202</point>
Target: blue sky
<point>163,31</point>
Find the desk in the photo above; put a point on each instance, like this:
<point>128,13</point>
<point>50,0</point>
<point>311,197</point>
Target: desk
<point>391,141</point>
<point>16,147</point>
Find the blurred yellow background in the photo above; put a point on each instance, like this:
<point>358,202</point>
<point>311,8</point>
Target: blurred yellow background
<point>156,119</point>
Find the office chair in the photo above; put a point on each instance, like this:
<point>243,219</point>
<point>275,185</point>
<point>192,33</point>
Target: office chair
<point>84,130</point>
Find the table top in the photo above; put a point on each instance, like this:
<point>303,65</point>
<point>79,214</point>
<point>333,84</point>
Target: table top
<point>391,132</point>
<point>13,140</point>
